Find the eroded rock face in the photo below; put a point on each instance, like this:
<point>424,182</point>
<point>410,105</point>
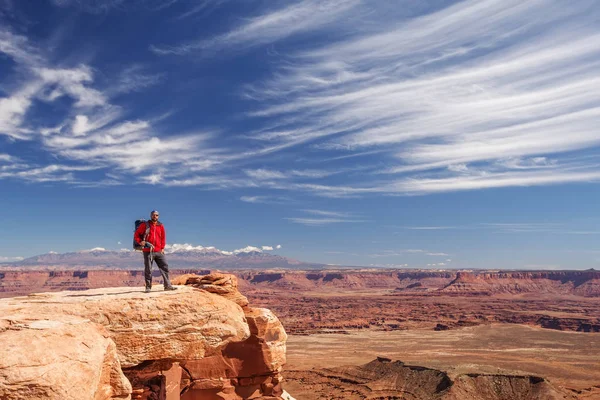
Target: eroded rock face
<point>121,343</point>
<point>71,359</point>
<point>246,369</point>
<point>384,378</point>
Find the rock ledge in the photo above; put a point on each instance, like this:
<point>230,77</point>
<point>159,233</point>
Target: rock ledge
<point>201,341</point>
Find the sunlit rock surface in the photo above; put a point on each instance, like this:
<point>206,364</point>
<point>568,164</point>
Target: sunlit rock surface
<point>121,343</point>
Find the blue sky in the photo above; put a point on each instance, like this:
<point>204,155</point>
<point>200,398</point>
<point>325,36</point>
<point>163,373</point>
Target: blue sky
<point>433,134</point>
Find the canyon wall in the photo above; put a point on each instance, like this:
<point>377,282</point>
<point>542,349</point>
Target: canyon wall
<point>579,283</point>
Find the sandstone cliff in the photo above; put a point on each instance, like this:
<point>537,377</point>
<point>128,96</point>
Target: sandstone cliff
<point>468,283</point>
<point>202,341</point>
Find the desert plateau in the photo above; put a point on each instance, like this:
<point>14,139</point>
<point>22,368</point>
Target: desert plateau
<point>410,334</point>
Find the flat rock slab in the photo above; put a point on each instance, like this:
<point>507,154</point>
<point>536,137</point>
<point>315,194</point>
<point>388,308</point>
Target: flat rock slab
<point>184,324</point>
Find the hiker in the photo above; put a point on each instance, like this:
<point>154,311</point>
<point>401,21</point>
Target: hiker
<point>151,236</point>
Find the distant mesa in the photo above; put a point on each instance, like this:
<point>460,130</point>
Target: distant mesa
<point>180,256</point>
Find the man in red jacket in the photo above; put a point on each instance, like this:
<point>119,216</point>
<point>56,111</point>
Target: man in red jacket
<point>152,237</point>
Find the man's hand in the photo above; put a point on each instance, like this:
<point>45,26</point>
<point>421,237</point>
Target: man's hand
<point>162,251</point>
<point>142,243</point>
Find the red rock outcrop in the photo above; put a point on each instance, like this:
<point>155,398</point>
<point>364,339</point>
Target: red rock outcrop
<point>387,379</point>
<point>121,343</point>
<point>581,283</point>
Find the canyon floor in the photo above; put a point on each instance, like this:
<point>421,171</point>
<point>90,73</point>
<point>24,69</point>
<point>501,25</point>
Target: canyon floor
<point>532,335</point>
<point>568,360</point>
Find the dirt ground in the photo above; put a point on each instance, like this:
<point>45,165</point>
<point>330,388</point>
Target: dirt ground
<point>567,359</point>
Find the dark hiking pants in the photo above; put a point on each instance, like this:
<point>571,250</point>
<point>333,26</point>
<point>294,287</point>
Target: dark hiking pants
<point>161,262</point>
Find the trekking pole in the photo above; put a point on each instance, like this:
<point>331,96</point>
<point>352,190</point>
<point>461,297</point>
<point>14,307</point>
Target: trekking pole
<point>151,255</point>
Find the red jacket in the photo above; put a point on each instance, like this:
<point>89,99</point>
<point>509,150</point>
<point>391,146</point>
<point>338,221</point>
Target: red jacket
<point>157,235</point>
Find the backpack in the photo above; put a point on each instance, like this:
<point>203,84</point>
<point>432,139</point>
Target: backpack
<point>138,222</point>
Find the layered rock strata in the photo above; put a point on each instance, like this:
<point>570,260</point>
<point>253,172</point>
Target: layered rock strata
<point>454,283</point>
<point>387,379</point>
<point>202,341</point>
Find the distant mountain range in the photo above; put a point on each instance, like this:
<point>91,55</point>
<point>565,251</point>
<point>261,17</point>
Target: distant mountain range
<point>179,256</point>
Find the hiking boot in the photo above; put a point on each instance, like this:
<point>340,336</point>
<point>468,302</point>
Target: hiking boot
<point>170,288</point>
<point>148,290</point>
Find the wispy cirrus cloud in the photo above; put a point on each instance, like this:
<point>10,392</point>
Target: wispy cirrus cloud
<point>428,228</point>
<point>517,227</point>
<point>266,199</point>
<point>317,221</point>
<point>476,95</point>
<point>323,217</point>
<point>5,259</point>
<point>104,6</point>
<point>91,134</point>
<point>201,8</point>
<point>264,174</point>
<point>135,78</point>
<point>405,252</point>
<point>328,213</point>
<point>271,26</point>
<point>433,98</point>
<point>254,199</point>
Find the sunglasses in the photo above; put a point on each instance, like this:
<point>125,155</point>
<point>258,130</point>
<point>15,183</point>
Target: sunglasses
<point>155,215</point>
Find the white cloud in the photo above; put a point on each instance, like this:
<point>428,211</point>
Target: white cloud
<point>297,17</point>
<point>325,218</point>
<point>278,246</point>
<point>18,48</point>
<point>92,250</point>
<point>458,168</point>
<point>254,199</point>
<point>72,82</point>
<point>404,252</point>
<point>477,94</point>
<point>177,247</point>
<point>247,249</point>
<point>81,125</point>
<point>313,173</point>
<point>264,174</point>
<point>4,259</point>
<point>480,94</point>
<point>317,221</point>
<point>429,228</point>
<point>105,6</point>
<point>134,79</point>
<point>49,173</point>
<point>202,8</point>
<point>93,133</point>
<point>327,213</point>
